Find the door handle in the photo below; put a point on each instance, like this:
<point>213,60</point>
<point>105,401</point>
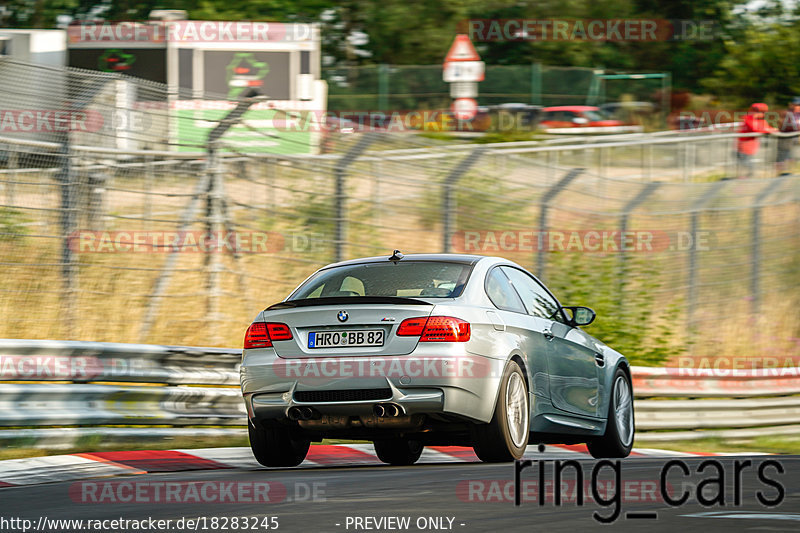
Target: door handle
<point>548,334</point>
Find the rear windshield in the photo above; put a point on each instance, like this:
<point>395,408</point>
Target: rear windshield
<point>426,279</point>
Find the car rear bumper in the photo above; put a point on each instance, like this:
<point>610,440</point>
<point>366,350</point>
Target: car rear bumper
<point>464,386</point>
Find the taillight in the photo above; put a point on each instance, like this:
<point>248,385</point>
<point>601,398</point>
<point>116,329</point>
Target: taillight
<point>412,327</point>
<point>436,329</point>
<point>279,332</point>
<point>261,334</point>
<point>257,336</point>
<point>446,329</point>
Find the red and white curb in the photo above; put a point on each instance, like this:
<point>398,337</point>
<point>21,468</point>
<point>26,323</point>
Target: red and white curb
<point>36,470</point>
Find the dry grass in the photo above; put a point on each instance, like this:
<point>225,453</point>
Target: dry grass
<point>401,210</point>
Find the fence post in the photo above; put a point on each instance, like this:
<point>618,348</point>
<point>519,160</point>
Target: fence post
<point>383,87</point>
<point>448,201</point>
<point>13,165</point>
<point>66,179</point>
<point>214,232</point>
<point>685,166</point>
<point>645,191</point>
<point>95,199</point>
<point>148,186</point>
<point>755,243</point>
<point>377,169</point>
<point>271,178</point>
<point>340,195</point>
<point>601,162</point>
<point>694,227</point>
<point>547,197</point>
<point>642,161</point>
<point>536,83</point>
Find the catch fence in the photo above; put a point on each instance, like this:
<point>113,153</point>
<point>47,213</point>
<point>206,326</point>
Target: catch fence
<point>128,235</point>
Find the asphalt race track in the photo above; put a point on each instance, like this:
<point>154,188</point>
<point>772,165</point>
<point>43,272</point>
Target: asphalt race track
<point>434,497</point>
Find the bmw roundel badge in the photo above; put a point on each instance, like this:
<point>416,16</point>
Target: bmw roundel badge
<point>342,316</point>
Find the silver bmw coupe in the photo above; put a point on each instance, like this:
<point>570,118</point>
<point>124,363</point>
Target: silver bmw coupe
<point>435,349</point>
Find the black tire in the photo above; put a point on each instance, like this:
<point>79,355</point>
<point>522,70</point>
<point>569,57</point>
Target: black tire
<point>493,442</point>
<point>612,444</point>
<point>398,452</point>
<point>274,446</point>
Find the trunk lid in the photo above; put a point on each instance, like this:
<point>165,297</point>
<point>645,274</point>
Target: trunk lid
<point>319,316</point>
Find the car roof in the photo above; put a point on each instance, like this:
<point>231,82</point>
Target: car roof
<point>572,108</point>
<point>469,259</point>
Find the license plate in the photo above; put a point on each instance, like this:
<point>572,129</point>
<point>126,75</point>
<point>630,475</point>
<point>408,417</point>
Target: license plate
<point>338,339</point>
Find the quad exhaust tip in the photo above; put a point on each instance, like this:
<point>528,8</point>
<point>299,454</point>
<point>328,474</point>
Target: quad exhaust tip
<point>388,410</point>
<point>302,413</point>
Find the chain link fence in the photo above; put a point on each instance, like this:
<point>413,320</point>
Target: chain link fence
<point>410,87</point>
<point>121,234</point>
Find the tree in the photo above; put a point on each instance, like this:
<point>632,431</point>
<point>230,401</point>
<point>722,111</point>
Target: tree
<point>753,54</point>
<point>763,66</point>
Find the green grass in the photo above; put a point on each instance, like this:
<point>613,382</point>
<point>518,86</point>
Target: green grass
<point>96,445</point>
<point>789,444</point>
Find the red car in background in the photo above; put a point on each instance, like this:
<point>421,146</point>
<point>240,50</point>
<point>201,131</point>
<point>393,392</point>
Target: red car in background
<point>577,116</point>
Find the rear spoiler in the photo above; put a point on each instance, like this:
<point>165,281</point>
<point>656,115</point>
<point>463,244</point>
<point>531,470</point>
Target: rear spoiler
<point>344,300</point>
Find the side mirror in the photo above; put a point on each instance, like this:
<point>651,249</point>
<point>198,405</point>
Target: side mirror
<point>579,315</point>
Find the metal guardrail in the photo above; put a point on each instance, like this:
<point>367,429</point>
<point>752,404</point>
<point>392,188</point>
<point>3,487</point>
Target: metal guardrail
<point>708,382</point>
<point>81,362</point>
<point>757,403</point>
<point>49,404</point>
<point>712,414</point>
<point>46,385</point>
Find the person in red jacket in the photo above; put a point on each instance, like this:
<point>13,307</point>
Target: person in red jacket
<point>747,147</point>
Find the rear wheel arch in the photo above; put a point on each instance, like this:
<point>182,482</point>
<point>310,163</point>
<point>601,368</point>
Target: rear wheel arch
<point>517,358</point>
<point>521,362</point>
<point>506,436</point>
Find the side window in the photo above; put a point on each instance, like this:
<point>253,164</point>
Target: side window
<point>501,293</point>
<point>537,300</point>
